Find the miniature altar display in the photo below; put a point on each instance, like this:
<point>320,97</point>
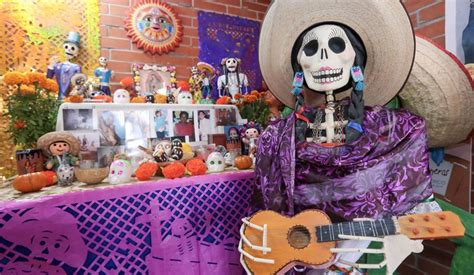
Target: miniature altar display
<point>64,71</point>
<point>348,157</point>
<point>232,81</point>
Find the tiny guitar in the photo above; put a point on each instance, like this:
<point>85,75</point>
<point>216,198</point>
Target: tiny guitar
<point>271,241</point>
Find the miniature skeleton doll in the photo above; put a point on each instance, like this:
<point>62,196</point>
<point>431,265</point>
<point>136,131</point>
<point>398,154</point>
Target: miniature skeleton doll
<point>233,81</point>
<point>215,162</point>
<point>121,96</point>
<point>120,171</point>
<point>64,71</point>
<point>104,74</point>
<point>208,73</point>
<point>195,83</point>
<point>79,85</point>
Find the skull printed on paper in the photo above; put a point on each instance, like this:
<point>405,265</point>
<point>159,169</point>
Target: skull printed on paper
<point>326,57</point>
<point>215,162</point>
<point>121,96</point>
<point>120,172</point>
<point>185,98</point>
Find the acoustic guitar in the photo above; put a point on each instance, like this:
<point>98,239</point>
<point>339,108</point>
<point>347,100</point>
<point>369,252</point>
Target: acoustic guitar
<point>271,241</point>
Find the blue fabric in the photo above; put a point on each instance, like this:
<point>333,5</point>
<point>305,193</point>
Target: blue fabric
<point>437,155</point>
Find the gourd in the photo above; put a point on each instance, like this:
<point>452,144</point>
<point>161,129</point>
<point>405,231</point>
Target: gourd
<point>243,162</point>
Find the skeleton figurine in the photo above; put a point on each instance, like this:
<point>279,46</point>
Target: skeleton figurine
<point>80,88</point>
<point>233,81</point>
<point>104,74</point>
<point>64,71</point>
<point>195,83</point>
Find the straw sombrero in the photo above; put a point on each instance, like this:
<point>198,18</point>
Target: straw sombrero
<point>439,89</point>
<point>383,26</point>
<point>47,139</point>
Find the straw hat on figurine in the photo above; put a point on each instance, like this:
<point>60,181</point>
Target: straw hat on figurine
<point>383,26</point>
<point>45,141</point>
<point>440,90</point>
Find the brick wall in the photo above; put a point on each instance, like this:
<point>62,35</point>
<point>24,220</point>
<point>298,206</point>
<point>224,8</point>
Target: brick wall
<point>121,52</point>
<point>427,17</point>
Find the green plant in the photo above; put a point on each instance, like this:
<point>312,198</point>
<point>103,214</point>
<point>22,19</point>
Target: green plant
<point>253,107</point>
<point>32,107</point>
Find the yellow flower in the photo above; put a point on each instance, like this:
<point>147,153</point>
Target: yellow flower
<point>15,78</point>
<point>27,89</point>
<point>35,77</point>
<point>51,85</point>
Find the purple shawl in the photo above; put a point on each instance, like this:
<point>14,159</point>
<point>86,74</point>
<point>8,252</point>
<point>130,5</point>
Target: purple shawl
<point>383,173</point>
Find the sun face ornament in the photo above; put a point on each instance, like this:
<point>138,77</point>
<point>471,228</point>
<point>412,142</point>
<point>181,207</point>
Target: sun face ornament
<point>154,27</point>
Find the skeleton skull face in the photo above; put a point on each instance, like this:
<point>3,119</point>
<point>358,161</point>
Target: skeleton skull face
<point>164,146</point>
<point>215,162</point>
<point>194,70</point>
<point>231,64</point>
<point>121,96</point>
<point>71,50</point>
<point>185,98</point>
<point>103,61</point>
<point>326,57</point>
<point>120,172</point>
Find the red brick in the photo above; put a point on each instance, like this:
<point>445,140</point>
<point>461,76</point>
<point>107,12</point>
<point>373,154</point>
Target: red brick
<point>195,42</point>
<point>184,3</point>
<point>122,67</point>
<point>237,3</point>
<point>136,57</point>
<point>121,11</point>
<point>186,21</point>
<point>104,8</point>
<point>181,11</point>
<point>120,76</point>
<point>431,267</point>
<point>185,41</point>
<point>105,53</point>
<point>114,43</point>
<point>256,7</point>
<point>413,5</point>
<point>117,32</point>
<point>432,12</point>
<point>260,16</point>
<point>104,31</point>
<point>117,2</point>
<point>432,30</point>
<point>242,12</point>
<point>414,20</point>
<point>441,41</point>
<point>111,20</point>
<point>208,5</point>
<point>408,270</point>
<point>191,31</point>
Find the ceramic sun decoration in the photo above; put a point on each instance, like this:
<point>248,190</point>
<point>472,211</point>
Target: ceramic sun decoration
<point>154,27</point>
<point>232,81</point>
<point>63,71</point>
<point>215,162</point>
<point>332,50</point>
<point>104,74</point>
<point>120,172</point>
<point>121,96</point>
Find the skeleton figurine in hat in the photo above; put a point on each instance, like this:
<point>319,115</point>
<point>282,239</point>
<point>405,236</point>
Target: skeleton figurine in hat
<point>336,152</point>
<point>104,74</point>
<point>233,81</point>
<point>64,71</point>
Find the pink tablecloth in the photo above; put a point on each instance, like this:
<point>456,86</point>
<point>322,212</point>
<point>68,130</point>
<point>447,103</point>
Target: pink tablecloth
<point>183,226</point>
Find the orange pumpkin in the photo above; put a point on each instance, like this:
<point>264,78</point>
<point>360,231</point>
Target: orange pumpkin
<point>174,170</point>
<point>146,170</point>
<point>138,99</point>
<point>196,167</point>
<point>243,162</point>
<point>105,98</point>
<point>51,177</point>
<point>75,99</point>
<point>30,182</point>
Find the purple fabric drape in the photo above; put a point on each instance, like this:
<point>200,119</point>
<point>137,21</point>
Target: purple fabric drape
<point>385,172</point>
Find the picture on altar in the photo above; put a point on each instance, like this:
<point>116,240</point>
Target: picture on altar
<point>137,125</point>
<point>204,124</point>
<point>225,117</point>
<point>89,141</point>
<point>106,154</point>
<point>77,119</point>
<point>184,124</point>
<point>160,123</point>
<point>111,125</point>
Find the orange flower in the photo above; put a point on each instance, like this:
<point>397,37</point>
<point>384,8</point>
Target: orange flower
<point>126,82</point>
<point>35,77</point>
<point>74,99</point>
<point>174,170</point>
<point>252,98</point>
<point>104,98</point>
<point>15,78</point>
<point>138,99</point>
<point>51,85</point>
<point>19,124</point>
<point>238,96</point>
<point>223,100</point>
<point>255,93</point>
<point>26,90</point>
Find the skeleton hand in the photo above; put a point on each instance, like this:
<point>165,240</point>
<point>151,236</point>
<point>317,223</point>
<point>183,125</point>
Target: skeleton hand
<point>53,61</point>
<point>395,249</point>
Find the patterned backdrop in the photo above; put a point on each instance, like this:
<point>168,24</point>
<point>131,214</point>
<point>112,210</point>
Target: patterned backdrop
<point>33,31</point>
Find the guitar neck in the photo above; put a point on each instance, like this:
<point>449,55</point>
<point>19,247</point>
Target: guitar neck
<point>382,227</point>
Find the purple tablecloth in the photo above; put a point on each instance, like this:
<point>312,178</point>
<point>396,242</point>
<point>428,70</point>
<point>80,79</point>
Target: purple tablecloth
<point>183,226</point>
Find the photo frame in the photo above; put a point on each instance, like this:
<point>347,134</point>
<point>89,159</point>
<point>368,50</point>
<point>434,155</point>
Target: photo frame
<point>153,79</point>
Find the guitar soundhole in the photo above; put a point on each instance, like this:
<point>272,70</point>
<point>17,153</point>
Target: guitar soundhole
<point>299,237</point>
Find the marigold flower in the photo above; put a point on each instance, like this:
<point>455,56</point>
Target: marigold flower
<point>161,98</point>
<point>138,99</point>
<point>255,93</point>
<point>19,124</point>
<point>51,85</point>
<point>126,82</point>
<point>252,98</point>
<point>26,89</point>
<point>35,77</point>
<point>15,78</point>
<point>238,96</point>
<point>223,100</point>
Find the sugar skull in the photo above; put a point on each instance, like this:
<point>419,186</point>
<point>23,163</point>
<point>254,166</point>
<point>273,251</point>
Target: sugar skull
<point>102,61</point>
<point>121,96</point>
<point>231,64</point>
<point>215,162</point>
<point>229,158</point>
<point>164,146</point>
<point>185,98</point>
<point>326,57</point>
<point>120,172</point>
<point>71,50</point>
<point>65,174</point>
<point>150,99</point>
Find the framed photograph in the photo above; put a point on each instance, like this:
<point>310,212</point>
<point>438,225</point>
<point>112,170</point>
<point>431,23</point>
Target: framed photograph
<point>89,140</point>
<point>106,154</point>
<point>232,137</point>
<point>226,117</point>
<point>134,153</point>
<point>160,126</point>
<point>77,119</point>
<point>183,124</point>
<point>137,125</point>
<point>204,125</point>
<point>154,79</point>
<point>111,126</point>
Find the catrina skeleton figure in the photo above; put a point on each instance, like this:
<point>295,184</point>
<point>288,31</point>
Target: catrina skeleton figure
<point>233,81</point>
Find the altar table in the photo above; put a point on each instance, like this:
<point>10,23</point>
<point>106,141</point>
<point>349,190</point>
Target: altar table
<point>182,226</point>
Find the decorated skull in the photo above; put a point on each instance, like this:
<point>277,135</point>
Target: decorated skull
<point>103,61</point>
<point>71,50</point>
<point>65,174</point>
<point>229,158</point>
<point>121,96</point>
<point>232,64</point>
<point>326,57</point>
<point>215,162</point>
<point>177,143</point>
<point>185,97</point>
<point>120,171</point>
<point>150,99</point>
<point>164,146</point>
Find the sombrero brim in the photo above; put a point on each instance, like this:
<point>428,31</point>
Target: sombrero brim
<point>203,66</point>
<point>440,90</point>
<point>49,138</point>
<point>383,26</point>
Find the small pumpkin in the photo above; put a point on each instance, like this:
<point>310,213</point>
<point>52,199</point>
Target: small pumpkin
<point>30,182</point>
<point>146,170</point>
<point>196,167</point>
<point>75,99</point>
<point>51,176</point>
<point>174,170</point>
<point>105,98</point>
<point>138,99</point>
<point>243,162</point>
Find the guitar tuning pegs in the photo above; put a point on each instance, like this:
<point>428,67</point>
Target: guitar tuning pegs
<point>447,228</point>
<point>415,231</point>
<point>442,217</point>
<point>411,219</point>
<point>430,230</point>
<point>426,218</point>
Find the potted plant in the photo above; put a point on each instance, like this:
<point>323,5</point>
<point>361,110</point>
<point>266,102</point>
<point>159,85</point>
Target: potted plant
<point>32,109</point>
<point>253,107</point>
